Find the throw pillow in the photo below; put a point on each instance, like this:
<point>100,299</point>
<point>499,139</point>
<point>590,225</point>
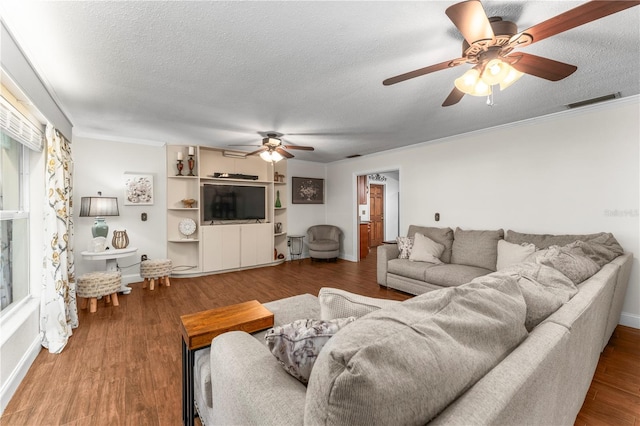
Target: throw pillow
<point>476,248</point>
<point>426,250</point>
<point>442,236</point>
<point>569,261</point>
<point>510,254</point>
<point>336,303</point>
<point>297,345</point>
<point>599,249</point>
<point>405,244</point>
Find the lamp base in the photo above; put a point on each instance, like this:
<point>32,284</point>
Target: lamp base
<point>100,228</point>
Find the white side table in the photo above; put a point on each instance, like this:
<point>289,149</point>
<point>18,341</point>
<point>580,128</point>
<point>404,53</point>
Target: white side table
<point>111,257</point>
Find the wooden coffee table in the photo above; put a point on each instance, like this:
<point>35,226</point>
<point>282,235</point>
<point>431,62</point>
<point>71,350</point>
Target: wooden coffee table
<point>200,328</point>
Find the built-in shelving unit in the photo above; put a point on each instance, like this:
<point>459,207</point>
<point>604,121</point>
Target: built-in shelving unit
<point>221,247</point>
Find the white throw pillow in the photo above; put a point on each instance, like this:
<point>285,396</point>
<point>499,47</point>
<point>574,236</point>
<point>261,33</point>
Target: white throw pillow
<point>510,253</point>
<point>336,303</point>
<point>426,250</point>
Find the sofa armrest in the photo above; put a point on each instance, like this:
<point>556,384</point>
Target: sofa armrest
<point>386,252</point>
<point>249,386</point>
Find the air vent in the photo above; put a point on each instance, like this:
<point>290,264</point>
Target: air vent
<point>594,100</point>
<point>353,156</point>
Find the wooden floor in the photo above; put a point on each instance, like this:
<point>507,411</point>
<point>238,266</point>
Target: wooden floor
<point>122,365</point>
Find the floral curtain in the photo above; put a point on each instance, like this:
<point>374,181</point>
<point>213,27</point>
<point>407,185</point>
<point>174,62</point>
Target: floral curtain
<point>58,310</point>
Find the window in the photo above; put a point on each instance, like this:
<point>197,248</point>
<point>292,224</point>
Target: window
<point>14,224</point>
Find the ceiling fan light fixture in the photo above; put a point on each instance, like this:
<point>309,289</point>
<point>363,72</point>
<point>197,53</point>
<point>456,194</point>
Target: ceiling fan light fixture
<point>271,156</point>
<point>495,72</point>
<point>467,82</point>
<point>513,76</point>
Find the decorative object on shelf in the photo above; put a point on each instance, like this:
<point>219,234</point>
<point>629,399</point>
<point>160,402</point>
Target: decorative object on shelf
<point>191,162</point>
<point>278,227</point>
<point>187,227</point>
<point>280,256</point>
<point>120,239</point>
<point>180,166</point>
<point>98,245</point>
<point>275,254</point>
<point>188,203</point>
<point>307,190</point>
<point>377,177</point>
<point>278,203</point>
<point>138,189</point>
<point>99,207</point>
<point>278,177</point>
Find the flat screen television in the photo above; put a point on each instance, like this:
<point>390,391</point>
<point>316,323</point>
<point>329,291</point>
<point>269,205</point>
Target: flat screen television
<point>233,202</point>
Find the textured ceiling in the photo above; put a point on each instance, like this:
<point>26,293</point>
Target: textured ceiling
<point>223,73</point>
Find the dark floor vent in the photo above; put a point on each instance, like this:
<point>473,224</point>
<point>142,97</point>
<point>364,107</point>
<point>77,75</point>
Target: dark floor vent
<point>594,100</point>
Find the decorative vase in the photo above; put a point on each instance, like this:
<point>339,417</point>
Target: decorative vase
<point>120,239</point>
<point>278,204</point>
<point>100,228</point>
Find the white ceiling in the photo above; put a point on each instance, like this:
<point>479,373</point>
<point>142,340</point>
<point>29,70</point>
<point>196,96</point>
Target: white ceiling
<point>221,73</point>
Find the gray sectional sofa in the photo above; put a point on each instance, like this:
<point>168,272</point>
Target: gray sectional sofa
<point>460,355</point>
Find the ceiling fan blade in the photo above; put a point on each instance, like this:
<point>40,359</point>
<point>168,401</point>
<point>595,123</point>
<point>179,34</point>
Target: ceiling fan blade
<point>284,153</point>
<point>242,144</point>
<point>303,148</point>
<point>577,16</point>
<point>542,67</point>
<point>422,71</point>
<point>258,151</point>
<point>471,20</point>
<point>454,97</point>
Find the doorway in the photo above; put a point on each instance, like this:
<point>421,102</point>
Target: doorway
<point>378,205</point>
<point>376,214</point>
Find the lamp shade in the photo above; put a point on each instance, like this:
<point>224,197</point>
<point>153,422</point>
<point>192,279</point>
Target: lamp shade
<point>99,206</point>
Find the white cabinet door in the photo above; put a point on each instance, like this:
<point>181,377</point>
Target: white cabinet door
<point>256,244</point>
<point>220,247</point>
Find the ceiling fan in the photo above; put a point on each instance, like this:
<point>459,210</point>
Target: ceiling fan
<point>272,149</point>
<point>489,45</point>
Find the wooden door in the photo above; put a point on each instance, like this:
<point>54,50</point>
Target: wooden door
<point>376,214</point>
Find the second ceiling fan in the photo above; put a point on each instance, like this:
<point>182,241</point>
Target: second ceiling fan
<point>489,45</point>
<point>272,148</point>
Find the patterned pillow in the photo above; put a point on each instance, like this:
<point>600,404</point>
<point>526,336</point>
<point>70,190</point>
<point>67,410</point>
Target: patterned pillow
<point>405,245</point>
<point>297,345</point>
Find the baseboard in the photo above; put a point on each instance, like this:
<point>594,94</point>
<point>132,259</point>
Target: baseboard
<point>630,320</point>
<point>18,374</point>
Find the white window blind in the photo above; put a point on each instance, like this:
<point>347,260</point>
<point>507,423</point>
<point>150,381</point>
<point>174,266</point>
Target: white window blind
<point>18,127</point>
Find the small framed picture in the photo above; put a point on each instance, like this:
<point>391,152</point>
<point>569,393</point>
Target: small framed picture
<point>307,190</point>
<point>138,189</point>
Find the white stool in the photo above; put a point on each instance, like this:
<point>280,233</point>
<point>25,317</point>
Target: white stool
<point>97,284</point>
<point>155,268</point>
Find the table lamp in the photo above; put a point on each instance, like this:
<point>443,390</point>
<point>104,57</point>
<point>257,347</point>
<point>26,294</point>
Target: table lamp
<point>99,207</point>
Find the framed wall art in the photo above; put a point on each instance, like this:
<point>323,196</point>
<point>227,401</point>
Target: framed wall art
<point>307,190</point>
<point>138,189</point>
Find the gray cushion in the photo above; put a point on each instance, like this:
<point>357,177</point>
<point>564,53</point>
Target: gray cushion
<point>409,269</point>
<point>543,241</point>
<point>598,249</point>
<point>447,275</point>
<point>443,236</point>
<point>403,365</point>
<point>297,345</point>
<point>544,289</point>
<point>476,248</point>
<point>336,303</point>
<point>571,262</point>
<point>324,245</point>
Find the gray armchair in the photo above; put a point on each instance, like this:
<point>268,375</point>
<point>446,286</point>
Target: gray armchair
<point>324,242</point>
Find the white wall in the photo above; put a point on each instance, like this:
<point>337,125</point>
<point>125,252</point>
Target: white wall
<point>566,173</point>
<point>100,166</point>
<point>301,216</point>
